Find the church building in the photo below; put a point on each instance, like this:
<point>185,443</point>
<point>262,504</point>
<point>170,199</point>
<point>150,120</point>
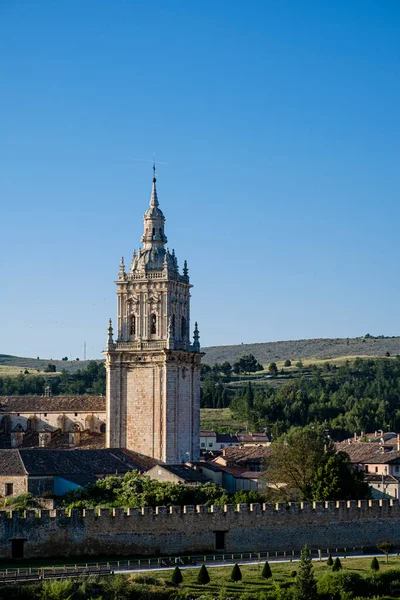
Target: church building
<point>153,370</point>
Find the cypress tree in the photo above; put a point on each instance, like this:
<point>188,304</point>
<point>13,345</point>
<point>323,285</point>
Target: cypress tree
<point>374,564</point>
<point>329,562</point>
<point>266,572</point>
<point>176,576</point>
<point>305,587</point>
<point>203,577</point>
<point>236,574</point>
<point>337,565</point>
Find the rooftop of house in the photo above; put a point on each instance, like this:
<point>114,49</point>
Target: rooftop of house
<point>207,433</point>
<point>185,472</point>
<point>241,455</point>
<point>376,478</point>
<point>46,461</point>
<point>370,452</point>
<point>46,404</point>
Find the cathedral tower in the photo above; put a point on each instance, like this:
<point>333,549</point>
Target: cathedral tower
<point>153,371</point>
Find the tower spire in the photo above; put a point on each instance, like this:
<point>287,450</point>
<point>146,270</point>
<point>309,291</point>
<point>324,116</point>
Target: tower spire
<point>154,198</point>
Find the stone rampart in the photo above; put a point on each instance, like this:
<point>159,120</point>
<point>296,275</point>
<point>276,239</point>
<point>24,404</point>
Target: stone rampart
<point>197,529</point>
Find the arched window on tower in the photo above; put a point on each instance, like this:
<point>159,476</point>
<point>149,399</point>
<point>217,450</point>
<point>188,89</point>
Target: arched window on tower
<point>133,325</point>
<point>183,328</point>
<point>153,324</point>
<point>173,325</point>
<point>154,231</point>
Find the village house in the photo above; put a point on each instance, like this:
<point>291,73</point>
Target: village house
<point>55,472</point>
<point>181,473</point>
<point>380,461</point>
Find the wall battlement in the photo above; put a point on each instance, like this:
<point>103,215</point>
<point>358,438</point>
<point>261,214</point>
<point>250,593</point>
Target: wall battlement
<point>349,509</point>
<point>193,529</point>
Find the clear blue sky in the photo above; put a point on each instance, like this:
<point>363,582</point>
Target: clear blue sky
<point>280,125</point>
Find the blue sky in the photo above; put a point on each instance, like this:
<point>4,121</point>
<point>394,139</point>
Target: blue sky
<point>280,125</point>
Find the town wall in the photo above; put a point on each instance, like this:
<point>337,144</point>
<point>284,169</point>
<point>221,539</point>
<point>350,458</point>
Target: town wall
<point>191,529</point>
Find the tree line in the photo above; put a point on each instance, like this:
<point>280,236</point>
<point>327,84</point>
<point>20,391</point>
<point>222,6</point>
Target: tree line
<point>359,396</point>
<point>91,380</point>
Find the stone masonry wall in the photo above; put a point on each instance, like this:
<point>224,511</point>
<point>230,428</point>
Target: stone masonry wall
<point>193,529</point>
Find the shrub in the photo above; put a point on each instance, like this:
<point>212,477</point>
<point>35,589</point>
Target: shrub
<point>287,363</point>
<point>203,577</point>
<point>337,565</point>
<point>329,562</point>
<point>236,574</point>
<point>341,585</point>
<point>147,580</point>
<point>266,571</point>
<point>61,589</point>
<point>293,574</point>
<point>176,576</point>
<point>374,564</point>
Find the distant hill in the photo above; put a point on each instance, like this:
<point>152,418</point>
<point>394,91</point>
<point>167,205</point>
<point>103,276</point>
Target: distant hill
<point>267,352</point>
<point>32,364</point>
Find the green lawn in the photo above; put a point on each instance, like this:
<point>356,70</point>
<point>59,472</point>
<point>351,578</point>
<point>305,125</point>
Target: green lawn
<point>210,418</point>
<point>252,580</point>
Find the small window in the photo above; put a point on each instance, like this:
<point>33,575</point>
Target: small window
<point>222,446</point>
<point>153,326</point>
<point>210,444</point>
<point>379,485</point>
<point>76,414</point>
<point>366,468</point>
<point>397,468</point>
<point>203,444</point>
<point>154,231</point>
<point>376,469</point>
<point>17,414</point>
<point>45,414</point>
<point>9,489</point>
<point>183,328</point>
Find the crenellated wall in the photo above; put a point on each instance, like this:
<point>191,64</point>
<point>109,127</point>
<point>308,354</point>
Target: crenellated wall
<point>191,529</point>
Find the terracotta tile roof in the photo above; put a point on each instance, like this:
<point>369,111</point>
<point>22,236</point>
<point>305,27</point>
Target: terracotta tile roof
<point>241,455</point>
<point>253,437</point>
<point>369,452</point>
<point>207,433</point>
<point>227,438</point>
<point>376,478</point>
<point>41,404</point>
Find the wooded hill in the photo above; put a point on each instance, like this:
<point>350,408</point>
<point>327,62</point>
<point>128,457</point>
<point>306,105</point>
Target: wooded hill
<point>293,350</point>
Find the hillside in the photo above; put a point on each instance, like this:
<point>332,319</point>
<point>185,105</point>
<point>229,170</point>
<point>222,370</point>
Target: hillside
<point>35,364</point>
<point>265,352</point>
<point>299,349</point>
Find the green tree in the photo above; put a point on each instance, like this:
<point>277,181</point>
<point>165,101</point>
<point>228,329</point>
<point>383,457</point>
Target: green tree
<point>335,480</point>
<point>287,363</point>
<point>305,587</point>
<point>329,562</point>
<point>266,571</point>
<point>61,589</point>
<point>51,368</point>
<point>176,576</point>
<point>337,565</point>
<point>236,574</point>
<point>203,577</point>
<point>386,548</point>
<point>273,369</point>
<point>374,564</point>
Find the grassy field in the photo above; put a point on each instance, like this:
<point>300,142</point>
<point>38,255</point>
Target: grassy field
<point>252,581</point>
<point>210,418</point>
<point>9,371</point>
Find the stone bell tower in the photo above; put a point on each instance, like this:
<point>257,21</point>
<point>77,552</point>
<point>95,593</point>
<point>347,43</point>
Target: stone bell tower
<point>153,371</point>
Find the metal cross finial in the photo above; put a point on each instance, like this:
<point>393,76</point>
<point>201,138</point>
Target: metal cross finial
<point>154,165</point>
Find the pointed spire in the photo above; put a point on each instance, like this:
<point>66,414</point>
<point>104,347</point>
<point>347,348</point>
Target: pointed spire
<point>110,341</point>
<point>185,269</point>
<point>196,338</point>
<point>154,198</point>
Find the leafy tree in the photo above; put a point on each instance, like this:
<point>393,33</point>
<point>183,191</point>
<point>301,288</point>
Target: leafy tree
<point>386,548</point>
<point>287,363</point>
<point>236,574</point>
<point>51,368</point>
<point>266,571</point>
<point>374,564</point>
<point>246,364</point>
<point>335,480</point>
<point>273,369</point>
<point>329,562</point>
<point>176,576</point>
<point>305,587</point>
<point>203,577</point>
<point>337,565</point>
